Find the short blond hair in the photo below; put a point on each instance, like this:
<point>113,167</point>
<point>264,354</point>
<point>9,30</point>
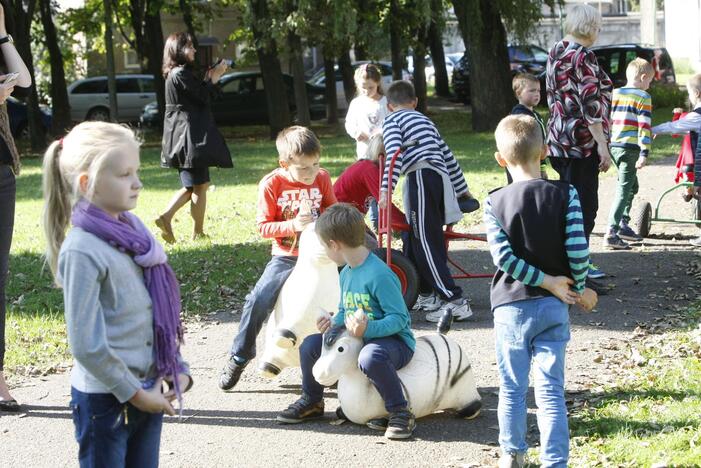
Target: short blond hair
<point>694,83</point>
<point>376,146</point>
<point>520,80</point>
<point>637,68</point>
<point>341,222</point>
<point>519,139</point>
<point>296,142</point>
<point>583,21</point>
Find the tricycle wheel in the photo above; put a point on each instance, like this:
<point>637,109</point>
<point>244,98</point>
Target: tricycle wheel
<point>643,220</point>
<point>405,271</point>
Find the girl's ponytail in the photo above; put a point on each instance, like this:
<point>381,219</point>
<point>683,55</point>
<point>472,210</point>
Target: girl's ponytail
<point>57,204</point>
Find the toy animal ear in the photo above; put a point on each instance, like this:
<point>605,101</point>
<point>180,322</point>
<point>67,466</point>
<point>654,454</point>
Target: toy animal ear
<point>332,334</point>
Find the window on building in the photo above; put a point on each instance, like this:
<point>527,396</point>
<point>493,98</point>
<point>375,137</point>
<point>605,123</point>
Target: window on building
<point>131,60</point>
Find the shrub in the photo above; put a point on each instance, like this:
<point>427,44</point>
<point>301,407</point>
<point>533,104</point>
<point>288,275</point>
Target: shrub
<point>668,95</point>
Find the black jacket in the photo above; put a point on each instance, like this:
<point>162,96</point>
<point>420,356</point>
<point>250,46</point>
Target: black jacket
<point>190,136</point>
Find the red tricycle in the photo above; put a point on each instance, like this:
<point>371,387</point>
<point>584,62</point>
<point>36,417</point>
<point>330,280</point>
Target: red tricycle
<point>396,260</point>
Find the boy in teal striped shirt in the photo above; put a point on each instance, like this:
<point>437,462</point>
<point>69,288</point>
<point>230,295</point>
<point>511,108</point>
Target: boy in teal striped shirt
<point>631,117</point>
<point>536,238</point>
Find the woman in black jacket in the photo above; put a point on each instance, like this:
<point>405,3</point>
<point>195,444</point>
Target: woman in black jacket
<point>191,141</point>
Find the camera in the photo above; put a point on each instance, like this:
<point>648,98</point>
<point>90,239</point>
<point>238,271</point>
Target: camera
<point>229,62</point>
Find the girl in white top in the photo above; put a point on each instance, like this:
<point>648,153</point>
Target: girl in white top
<point>368,109</point>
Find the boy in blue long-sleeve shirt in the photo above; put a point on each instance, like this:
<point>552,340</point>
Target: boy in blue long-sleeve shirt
<point>372,308</point>
<point>536,237</point>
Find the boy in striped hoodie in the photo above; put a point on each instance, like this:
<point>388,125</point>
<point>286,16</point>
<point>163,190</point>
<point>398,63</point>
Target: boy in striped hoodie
<point>631,116</point>
<point>433,184</point>
<point>536,237</point>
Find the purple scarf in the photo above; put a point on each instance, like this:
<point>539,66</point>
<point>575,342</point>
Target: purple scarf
<point>129,235</point>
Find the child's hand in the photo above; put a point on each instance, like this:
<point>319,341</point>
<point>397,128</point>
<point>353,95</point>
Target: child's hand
<point>152,401</point>
<point>588,299</point>
<point>640,163</point>
<point>363,137</point>
<point>183,382</point>
<point>560,287</point>
<point>301,221</point>
<point>323,323</point>
<point>357,323</point>
<point>382,201</point>
<point>677,110</point>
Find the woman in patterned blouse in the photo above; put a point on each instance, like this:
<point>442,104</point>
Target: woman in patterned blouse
<point>579,99</point>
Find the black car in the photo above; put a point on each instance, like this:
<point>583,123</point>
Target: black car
<point>243,101</point>
<point>523,59</point>
<point>19,124</point>
<point>615,58</point>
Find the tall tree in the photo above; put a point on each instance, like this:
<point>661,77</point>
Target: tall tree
<point>61,112</point>
<point>295,23</point>
<point>395,37</point>
<point>435,43</point>
<point>420,67</point>
<point>345,66</point>
<point>330,85</point>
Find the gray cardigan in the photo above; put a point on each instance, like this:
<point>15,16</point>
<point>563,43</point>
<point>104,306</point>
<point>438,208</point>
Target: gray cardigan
<point>108,317</point>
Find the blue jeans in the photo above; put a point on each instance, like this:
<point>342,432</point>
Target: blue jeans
<point>379,360</point>
<point>113,434</point>
<point>259,303</point>
<point>374,214</point>
<point>537,331</point>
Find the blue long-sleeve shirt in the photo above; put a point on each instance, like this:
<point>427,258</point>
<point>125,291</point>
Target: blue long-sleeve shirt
<point>531,273</point>
<point>373,288</point>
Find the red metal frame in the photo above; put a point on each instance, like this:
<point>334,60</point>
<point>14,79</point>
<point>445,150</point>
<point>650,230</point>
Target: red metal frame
<point>385,228</point>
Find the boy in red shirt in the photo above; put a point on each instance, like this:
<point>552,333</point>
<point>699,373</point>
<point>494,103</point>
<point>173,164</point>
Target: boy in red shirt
<point>289,198</point>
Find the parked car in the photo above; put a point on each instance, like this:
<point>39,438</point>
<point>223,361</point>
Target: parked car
<point>319,79</point>
<point>19,124</point>
<point>615,58</point>
<point>89,98</point>
<point>523,58</point>
<point>243,101</point>
<point>450,61</point>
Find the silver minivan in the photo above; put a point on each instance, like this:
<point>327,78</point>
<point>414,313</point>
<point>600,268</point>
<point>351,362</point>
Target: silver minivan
<point>89,99</point>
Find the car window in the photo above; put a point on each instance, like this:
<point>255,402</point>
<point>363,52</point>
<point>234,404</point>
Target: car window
<point>614,63</point>
<point>91,87</point>
<point>146,85</point>
<point>663,58</point>
<point>519,54</point>
<point>540,55</point>
<point>259,84</point>
<point>630,56</point>
<point>128,85</point>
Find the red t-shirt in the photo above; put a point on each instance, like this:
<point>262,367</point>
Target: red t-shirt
<point>358,184</point>
<point>279,199</point>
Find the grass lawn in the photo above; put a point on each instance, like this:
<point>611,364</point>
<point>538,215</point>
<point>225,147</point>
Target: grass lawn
<point>215,273</point>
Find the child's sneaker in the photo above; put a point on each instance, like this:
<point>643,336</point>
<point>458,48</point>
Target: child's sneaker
<point>512,460</point>
<point>302,410</point>
<point>627,233</point>
<point>613,242</point>
<point>594,272</point>
<point>231,373</point>
<point>428,303</point>
<point>401,424</point>
<point>459,308</point>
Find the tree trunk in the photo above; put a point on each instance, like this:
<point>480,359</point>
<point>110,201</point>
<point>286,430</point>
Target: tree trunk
<point>109,55</point>
<point>186,8</point>
<point>440,74</point>
<point>420,69</point>
<point>61,118</point>
<point>300,84</point>
<point>154,53</point>
<point>346,68</point>
<point>330,84</point>
<point>490,77</point>
<point>266,48</point>
<point>395,37</point>
<point>22,22</point>
<point>361,52</point>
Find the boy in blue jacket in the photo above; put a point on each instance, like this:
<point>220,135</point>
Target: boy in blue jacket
<point>368,286</point>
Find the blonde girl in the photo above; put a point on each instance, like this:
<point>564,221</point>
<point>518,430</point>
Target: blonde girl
<point>121,298</point>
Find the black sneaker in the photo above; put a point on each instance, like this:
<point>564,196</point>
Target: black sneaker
<point>627,233</point>
<point>401,424</point>
<point>377,424</point>
<point>302,410</point>
<point>614,242</point>
<point>231,373</point>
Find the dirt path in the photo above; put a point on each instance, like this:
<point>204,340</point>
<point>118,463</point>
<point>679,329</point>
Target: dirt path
<point>238,428</point>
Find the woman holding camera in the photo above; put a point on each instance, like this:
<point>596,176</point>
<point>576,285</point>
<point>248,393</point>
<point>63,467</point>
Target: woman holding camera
<point>191,141</point>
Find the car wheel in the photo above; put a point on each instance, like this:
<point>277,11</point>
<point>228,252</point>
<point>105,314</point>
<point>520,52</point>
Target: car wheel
<point>99,114</point>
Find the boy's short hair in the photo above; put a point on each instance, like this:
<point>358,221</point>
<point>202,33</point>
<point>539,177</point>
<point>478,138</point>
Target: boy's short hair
<point>341,222</point>
<point>519,139</point>
<point>520,80</point>
<point>401,92</point>
<point>583,21</point>
<point>297,141</point>
<point>638,67</point>
<point>694,83</point>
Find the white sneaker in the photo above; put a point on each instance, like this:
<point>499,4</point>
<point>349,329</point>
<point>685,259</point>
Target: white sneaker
<point>428,303</point>
<point>515,460</point>
<point>460,309</point>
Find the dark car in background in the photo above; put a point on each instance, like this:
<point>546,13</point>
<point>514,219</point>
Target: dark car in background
<point>19,123</point>
<point>522,58</point>
<point>615,58</point>
<point>243,101</point>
